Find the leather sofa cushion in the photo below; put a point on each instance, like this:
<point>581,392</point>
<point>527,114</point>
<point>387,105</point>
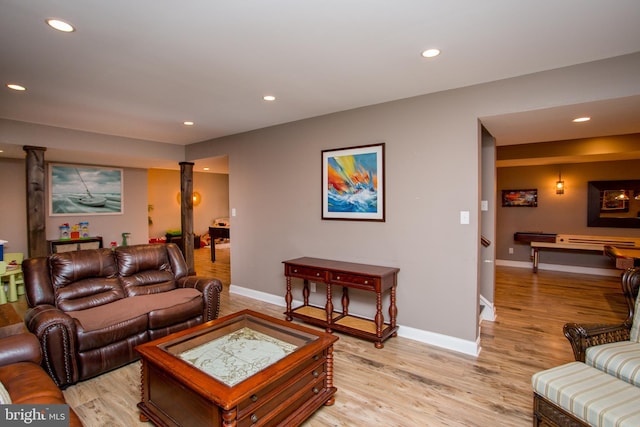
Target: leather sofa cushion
<point>103,337</point>
<point>84,279</point>
<point>145,269</point>
<point>148,282</point>
<point>69,267</point>
<point>129,308</point>
<point>134,259</point>
<point>88,293</point>
<point>175,314</point>
<point>27,382</point>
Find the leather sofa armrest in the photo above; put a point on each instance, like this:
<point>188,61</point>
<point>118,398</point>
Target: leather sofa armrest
<point>583,336</point>
<point>23,347</point>
<point>210,288</point>
<point>56,331</point>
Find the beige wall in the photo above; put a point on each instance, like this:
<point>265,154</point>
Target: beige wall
<point>565,214</point>
<point>164,187</point>
<point>433,151</point>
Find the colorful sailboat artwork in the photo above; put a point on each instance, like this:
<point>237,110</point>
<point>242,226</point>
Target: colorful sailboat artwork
<point>352,183</point>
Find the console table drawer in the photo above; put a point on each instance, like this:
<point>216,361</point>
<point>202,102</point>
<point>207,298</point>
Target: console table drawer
<point>307,273</point>
<point>353,280</point>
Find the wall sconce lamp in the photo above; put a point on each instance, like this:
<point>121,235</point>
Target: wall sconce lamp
<point>559,184</point>
<point>197,198</point>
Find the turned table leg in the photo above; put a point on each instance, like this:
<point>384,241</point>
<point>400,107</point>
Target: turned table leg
<point>288,298</point>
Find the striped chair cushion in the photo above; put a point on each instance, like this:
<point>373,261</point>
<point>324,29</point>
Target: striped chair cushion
<point>635,326</point>
<point>597,398</point>
<point>620,359</point>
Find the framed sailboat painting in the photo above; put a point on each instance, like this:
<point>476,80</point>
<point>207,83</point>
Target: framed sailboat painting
<point>353,183</point>
<point>84,190</point>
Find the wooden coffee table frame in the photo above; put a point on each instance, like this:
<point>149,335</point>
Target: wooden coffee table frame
<point>176,393</point>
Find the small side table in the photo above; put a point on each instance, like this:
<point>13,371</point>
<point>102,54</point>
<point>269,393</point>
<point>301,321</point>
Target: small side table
<point>10,322</point>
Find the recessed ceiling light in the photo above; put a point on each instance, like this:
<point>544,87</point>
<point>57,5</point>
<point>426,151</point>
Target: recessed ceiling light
<point>581,119</point>
<point>269,98</point>
<point>188,123</point>
<point>60,25</point>
<point>16,87</point>
<point>431,53</point>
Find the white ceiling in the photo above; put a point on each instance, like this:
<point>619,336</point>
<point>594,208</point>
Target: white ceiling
<point>139,69</point>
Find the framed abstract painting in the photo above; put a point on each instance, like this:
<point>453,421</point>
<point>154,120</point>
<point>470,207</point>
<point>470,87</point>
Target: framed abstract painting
<point>353,183</point>
<point>520,198</point>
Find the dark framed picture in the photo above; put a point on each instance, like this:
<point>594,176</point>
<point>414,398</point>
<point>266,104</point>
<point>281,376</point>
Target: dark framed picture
<point>614,201</point>
<point>84,190</point>
<point>520,198</point>
<point>353,183</point>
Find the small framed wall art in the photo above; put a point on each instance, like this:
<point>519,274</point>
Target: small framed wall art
<point>520,198</point>
<point>353,183</point>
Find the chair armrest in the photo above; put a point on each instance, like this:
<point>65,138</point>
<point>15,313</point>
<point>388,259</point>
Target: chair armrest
<point>57,334</point>
<point>583,336</point>
<point>210,288</point>
<point>23,347</point>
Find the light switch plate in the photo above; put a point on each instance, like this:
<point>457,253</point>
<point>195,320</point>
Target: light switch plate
<point>484,205</point>
<point>464,217</point>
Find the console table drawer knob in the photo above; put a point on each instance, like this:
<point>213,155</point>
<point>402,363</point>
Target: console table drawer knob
<point>316,357</point>
<point>316,390</point>
<point>295,270</point>
<point>254,418</point>
<point>315,374</point>
<point>317,274</point>
<point>366,282</point>
<point>254,397</point>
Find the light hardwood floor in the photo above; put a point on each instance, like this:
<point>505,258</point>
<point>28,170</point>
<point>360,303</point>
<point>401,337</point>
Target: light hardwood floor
<point>408,383</point>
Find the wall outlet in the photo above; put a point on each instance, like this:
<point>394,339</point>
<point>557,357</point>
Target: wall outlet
<point>510,251</point>
<point>312,286</point>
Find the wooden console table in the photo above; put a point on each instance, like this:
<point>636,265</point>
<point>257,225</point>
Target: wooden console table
<point>370,278</point>
<point>67,245</point>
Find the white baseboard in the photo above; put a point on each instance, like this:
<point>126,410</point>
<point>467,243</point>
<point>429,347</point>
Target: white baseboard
<point>559,267</point>
<point>444,341</point>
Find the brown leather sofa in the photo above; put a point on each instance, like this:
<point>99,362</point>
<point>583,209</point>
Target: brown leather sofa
<point>91,308</point>
<point>23,377</point>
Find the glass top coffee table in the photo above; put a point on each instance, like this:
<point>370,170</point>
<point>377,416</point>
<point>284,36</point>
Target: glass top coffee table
<point>243,369</point>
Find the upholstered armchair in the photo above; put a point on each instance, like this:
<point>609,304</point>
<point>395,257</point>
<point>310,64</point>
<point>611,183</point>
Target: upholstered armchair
<point>585,337</point>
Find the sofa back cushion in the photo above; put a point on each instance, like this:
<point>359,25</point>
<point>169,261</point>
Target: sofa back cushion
<point>84,279</point>
<point>145,269</point>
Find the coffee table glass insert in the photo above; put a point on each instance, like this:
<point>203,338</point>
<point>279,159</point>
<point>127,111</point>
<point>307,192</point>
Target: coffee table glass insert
<point>235,357</point>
